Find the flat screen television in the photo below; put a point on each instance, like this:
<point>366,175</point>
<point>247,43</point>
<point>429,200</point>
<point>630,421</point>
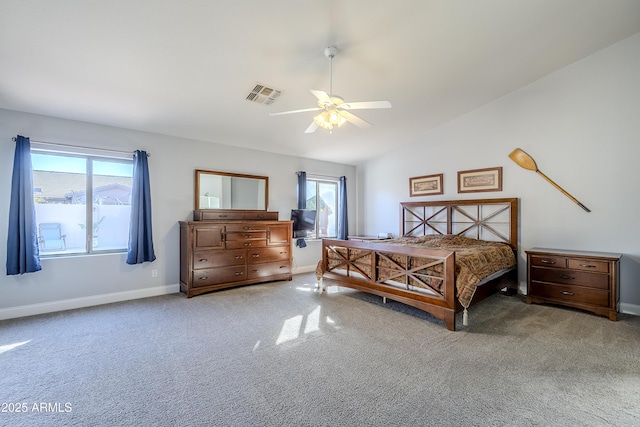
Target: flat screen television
<point>304,221</point>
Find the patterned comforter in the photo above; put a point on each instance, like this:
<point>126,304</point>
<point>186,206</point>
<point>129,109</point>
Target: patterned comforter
<point>475,259</point>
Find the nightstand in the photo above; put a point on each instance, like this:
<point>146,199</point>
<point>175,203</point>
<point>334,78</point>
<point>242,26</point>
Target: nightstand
<point>579,279</point>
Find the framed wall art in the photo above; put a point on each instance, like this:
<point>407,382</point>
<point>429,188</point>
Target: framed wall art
<point>477,180</point>
<point>425,185</point>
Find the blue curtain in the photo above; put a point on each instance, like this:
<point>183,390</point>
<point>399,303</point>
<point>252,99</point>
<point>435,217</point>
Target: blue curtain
<point>343,219</point>
<point>302,201</point>
<point>23,255</point>
<point>140,236</point>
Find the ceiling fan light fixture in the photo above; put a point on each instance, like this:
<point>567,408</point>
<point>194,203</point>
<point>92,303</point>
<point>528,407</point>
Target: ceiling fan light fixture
<point>329,119</point>
<point>334,112</point>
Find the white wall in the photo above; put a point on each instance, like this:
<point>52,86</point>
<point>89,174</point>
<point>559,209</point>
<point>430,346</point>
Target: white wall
<point>79,281</point>
<point>581,125</point>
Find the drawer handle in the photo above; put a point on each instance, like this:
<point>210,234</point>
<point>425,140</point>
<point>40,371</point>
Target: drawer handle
<point>247,236</point>
<point>248,244</point>
<point>588,265</point>
<point>239,273</point>
<point>283,266</point>
<point>546,261</point>
<point>256,255</point>
<point>283,253</point>
<point>260,216</point>
<point>203,260</point>
<point>203,278</point>
<point>567,293</point>
<point>246,228</point>
<point>222,216</point>
<point>564,276</point>
<point>238,257</point>
<point>255,271</point>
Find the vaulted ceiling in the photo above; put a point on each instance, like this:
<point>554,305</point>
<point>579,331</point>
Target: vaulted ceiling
<point>185,67</point>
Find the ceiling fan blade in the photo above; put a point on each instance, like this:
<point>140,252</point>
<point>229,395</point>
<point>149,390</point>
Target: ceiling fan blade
<point>355,119</point>
<point>365,105</point>
<point>312,128</point>
<point>295,111</point>
<point>321,95</point>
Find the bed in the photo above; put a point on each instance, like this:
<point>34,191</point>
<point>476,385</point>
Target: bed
<point>431,266</point>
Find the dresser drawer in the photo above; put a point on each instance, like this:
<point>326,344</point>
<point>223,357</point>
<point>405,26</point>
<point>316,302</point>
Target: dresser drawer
<point>246,235</point>
<point>212,276</point>
<point>257,271</point>
<point>245,227</point>
<point>232,214</point>
<point>268,254</point>
<point>570,277</point>
<point>246,239</point>
<point>218,258</point>
<point>259,215</point>
<point>212,214</point>
<point>237,244</point>
<point>568,294</point>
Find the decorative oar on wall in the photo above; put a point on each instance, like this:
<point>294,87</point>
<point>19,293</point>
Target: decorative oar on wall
<point>527,162</point>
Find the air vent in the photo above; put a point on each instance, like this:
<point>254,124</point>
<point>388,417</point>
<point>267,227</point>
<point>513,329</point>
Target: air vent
<point>263,94</point>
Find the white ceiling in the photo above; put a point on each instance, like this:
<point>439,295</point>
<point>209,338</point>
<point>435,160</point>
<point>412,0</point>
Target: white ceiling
<point>185,67</point>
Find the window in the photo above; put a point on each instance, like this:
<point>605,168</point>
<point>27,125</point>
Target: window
<point>322,195</point>
<point>83,202</point>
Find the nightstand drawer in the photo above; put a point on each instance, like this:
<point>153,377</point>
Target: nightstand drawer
<point>549,261</point>
<point>575,294</point>
<point>589,265</point>
<point>570,277</point>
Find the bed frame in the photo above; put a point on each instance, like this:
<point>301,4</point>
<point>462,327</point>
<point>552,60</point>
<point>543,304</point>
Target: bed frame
<point>355,264</point>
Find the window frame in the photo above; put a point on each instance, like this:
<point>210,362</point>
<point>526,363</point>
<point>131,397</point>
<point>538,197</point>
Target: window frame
<point>336,183</point>
<point>90,156</point>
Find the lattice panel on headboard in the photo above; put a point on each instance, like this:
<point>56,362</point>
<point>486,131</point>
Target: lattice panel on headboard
<point>486,219</point>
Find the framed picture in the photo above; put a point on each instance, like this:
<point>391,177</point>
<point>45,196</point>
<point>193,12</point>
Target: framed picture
<point>477,180</point>
<point>425,185</point>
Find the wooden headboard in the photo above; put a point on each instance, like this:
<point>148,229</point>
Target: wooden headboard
<point>484,219</point>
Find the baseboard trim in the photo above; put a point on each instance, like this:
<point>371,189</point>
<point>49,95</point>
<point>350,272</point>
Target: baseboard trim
<point>630,309</point>
<point>305,269</point>
<point>70,304</point>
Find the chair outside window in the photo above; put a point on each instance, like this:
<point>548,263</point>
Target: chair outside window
<point>51,237</point>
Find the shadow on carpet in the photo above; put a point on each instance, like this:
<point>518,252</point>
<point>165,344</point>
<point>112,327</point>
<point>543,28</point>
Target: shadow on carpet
<point>395,306</point>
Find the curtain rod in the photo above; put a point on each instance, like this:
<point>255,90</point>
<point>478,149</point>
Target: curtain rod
<point>319,175</point>
<point>55,144</point>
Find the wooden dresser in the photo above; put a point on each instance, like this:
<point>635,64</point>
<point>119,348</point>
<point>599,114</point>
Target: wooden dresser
<point>579,279</point>
<point>223,249</point>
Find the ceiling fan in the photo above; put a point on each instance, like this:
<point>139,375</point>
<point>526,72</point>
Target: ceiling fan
<point>335,111</point>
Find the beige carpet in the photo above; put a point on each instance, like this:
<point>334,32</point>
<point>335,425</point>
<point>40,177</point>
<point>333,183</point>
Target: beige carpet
<point>282,354</point>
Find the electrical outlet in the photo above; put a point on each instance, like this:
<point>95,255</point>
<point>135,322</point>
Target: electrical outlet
<point>154,273</point>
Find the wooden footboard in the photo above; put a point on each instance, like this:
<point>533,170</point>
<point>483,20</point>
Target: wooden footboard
<point>419,277</point>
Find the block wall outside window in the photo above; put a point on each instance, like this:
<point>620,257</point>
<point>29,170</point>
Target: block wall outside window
<point>83,202</point>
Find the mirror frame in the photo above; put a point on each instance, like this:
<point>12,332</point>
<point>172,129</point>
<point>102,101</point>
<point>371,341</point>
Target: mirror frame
<point>200,172</point>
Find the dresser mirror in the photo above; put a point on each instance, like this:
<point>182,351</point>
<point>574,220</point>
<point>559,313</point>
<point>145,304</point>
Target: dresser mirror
<point>224,190</point>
